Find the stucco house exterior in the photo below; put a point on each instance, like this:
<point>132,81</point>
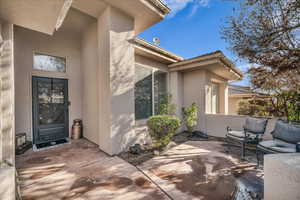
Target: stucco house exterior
<point>82,60</point>
<point>62,60</point>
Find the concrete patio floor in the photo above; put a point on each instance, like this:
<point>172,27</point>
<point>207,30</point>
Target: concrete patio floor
<point>80,170</point>
<point>202,170</point>
<point>192,170</point>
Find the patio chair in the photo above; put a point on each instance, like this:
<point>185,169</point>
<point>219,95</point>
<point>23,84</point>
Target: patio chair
<point>286,139</point>
<point>252,133</point>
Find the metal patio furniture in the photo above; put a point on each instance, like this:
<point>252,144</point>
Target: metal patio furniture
<point>252,133</point>
<point>286,139</point>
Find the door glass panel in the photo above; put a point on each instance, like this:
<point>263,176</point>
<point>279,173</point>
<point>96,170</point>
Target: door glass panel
<point>45,114</point>
<point>58,93</point>
<point>51,108</point>
<point>44,92</point>
<point>44,99</point>
<point>58,113</point>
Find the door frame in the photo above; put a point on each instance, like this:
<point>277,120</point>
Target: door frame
<point>34,109</point>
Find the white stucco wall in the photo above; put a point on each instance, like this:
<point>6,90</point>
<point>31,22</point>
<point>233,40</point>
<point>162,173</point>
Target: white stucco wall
<point>60,44</point>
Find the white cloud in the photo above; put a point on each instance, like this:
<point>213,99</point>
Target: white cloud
<point>178,5</point>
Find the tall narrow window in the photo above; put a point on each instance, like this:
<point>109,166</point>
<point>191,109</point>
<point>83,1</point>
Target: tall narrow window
<point>212,98</point>
<point>160,89</point>
<point>49,63</point>
<point>149,91</point>
<point>143,93</point>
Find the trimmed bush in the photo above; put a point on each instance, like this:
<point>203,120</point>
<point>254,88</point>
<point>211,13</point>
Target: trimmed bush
<point>162,129</point>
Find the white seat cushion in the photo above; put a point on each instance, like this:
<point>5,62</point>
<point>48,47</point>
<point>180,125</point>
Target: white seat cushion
<point>239,134</point>
<point>278,146</point>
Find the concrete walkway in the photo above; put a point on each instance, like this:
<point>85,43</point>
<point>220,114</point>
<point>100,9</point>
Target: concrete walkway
<point>81,171</point>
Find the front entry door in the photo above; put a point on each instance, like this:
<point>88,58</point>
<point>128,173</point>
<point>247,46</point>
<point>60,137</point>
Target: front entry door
<point>50,109</point>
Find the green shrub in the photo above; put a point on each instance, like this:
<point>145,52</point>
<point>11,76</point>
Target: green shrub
<point>165,107</point>
<point>162,129</point>
<point>190,117</point>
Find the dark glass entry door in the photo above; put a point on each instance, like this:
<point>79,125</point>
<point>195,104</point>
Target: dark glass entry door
<point>50,109</point>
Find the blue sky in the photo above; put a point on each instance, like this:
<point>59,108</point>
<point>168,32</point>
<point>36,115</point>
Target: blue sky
<point>193,28</point>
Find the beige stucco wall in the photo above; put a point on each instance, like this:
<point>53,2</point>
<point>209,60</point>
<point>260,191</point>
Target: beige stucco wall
<point>7,101</point>
<point>90,100</point>
<point>7,141</point>
<point>236,122</point>
<point>116,80</point>
<point>195,85</point>
<point>148,62</point>
<point>60,44</point>
<point>233,105</point>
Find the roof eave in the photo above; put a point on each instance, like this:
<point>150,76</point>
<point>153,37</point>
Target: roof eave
<point>155,50</point>
<point>162,7</point>
<point>217,57</point>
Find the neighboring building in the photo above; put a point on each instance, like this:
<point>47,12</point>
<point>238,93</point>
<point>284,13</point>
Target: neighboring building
<point>239,93</point>
<point>64,60</point>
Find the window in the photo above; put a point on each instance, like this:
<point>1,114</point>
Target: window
<point>150,88</point>
<point>212,98</point>
<point>160,89</point>
<point>49,63</point>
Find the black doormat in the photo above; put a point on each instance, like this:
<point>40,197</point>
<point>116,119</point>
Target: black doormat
<point>50,144</point>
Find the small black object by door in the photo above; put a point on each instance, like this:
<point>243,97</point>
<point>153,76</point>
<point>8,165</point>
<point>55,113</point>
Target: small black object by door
<point>50,109</point>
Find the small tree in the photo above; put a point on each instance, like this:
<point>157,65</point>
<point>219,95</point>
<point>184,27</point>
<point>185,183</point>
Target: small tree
<point>190,117</point>
<point>255,107</point>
